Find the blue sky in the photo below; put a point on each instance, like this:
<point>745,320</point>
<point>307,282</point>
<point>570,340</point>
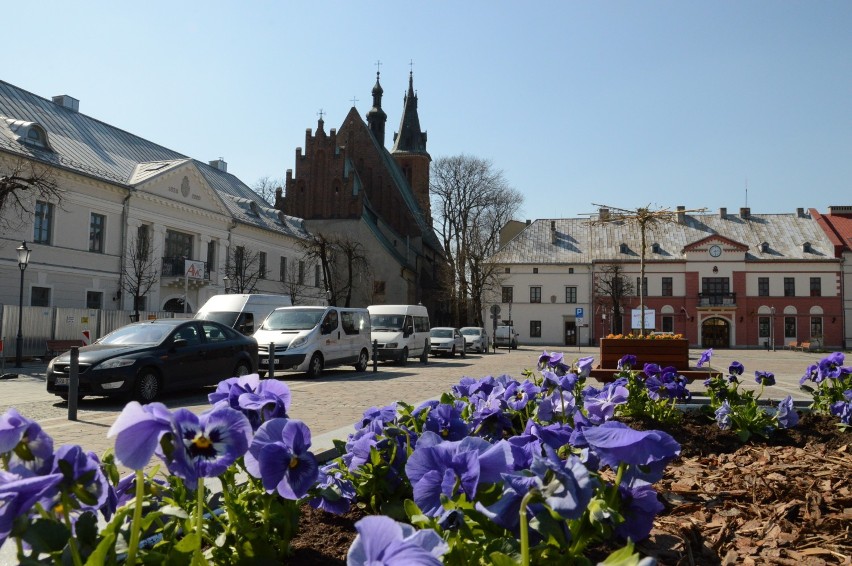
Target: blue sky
<point>614,102</point>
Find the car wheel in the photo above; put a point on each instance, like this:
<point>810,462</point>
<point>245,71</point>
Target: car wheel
<point>147,386</point>
<point>453,352</point>
<point>243,368</point>
<point>463,353</point>
<point>403,359</point>
<point>514,345</point>
<point>363,360</point>
<point>315,367</point>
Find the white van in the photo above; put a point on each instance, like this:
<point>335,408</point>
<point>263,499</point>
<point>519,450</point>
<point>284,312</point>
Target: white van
<point>309,339</point>
<point>241,312</point>
<point>402,332</point>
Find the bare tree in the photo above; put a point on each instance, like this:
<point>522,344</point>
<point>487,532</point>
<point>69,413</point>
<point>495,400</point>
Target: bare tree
<point>344,266</point>
<point>294,283</point>
<point>139,273</point>
<point>471,201</point>
<point>266,187</point>
<point>611,288</point>
<point>243,268</point>
<point>26,182</point>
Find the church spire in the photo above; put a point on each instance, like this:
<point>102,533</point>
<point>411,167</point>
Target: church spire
<point>410,138</point>
<point>376,117</point>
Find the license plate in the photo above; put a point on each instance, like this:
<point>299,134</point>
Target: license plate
<point>62,380</point>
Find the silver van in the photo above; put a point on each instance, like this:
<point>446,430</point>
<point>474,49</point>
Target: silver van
<point>310,339</point>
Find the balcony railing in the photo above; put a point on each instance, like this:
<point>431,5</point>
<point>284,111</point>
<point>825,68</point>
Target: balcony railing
<point>174,267</point>
<point>717,299</point>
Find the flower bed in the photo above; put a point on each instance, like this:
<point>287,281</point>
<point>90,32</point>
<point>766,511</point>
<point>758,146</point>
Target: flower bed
<point>498,470</point>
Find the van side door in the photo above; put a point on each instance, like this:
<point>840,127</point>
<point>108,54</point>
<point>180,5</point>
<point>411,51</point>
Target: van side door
<point>330,337</point>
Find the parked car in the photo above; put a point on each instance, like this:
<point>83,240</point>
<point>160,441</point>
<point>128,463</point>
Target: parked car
<point>309,339</point>
<point>400,331</point>
<point>506,336</point>
<point>475,338</point>
<point>446,341</point>
<point>143,359</point>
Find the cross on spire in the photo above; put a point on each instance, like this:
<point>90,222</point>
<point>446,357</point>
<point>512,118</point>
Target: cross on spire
<point>378,67</point>
<point>354,100</point>
<point>411,65</point>
<point>320,113</point>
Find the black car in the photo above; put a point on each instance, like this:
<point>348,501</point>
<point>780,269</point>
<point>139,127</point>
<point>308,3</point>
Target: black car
<point>143,359</point>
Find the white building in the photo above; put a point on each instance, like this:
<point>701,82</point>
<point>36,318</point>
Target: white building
<point>115,190</point>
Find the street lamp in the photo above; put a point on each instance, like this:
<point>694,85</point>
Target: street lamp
<point>227,282</point>
<point>23,260</point>
<point>772,328</point>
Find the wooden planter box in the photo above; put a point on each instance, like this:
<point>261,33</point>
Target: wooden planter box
<point>663,352</point>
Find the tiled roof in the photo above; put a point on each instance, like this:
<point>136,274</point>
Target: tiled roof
<point>581,240</point>
<point>90,147</point>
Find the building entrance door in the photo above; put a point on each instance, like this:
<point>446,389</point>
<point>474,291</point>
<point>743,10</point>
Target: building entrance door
<point>715,333</point>
<point>570,333</point>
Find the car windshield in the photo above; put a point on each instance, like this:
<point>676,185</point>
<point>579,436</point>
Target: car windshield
<point>386,322</point>
<point>471,331</point>
<point>441,333</point>
<point>137,334</point>
<point>292,319</point>
<point>226,318</point>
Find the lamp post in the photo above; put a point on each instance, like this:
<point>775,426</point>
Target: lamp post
<point>772,328</point>
<point>23,260</point>
<point>227,282</point>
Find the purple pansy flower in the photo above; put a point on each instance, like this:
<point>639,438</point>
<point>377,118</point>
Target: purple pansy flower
<point>736,368</point>
<point>279,456</point>
<point>615,443</point>
<point>628,361</point>
<point>764,378</point>
<point>639,507</point>
<point>335,493</point>
<point>30,448</point>
<point>843,409</point>
<point>723,415</point>
<point>259,400</point>
<point>435,468</point>
<point>81,476</point>
<point>705,357</point>
<point>137,432</point>
<point>584,366</point>
<point>787,415</point>
<point>381,541</point>
<point>206,445</point>
<point>601,407</point>
<point>447,422</point>
<point>518,395</point>
<point>18,494</point>
<point>651,370</point>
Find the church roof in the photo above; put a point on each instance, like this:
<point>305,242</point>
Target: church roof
<point>410,138</point>
<point>765,237</point>
<point>89,147</point>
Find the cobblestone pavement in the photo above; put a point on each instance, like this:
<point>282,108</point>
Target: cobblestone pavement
<point>331,404</point>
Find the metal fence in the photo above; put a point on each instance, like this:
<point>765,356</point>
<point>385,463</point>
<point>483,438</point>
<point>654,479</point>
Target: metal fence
<point>40,324</point>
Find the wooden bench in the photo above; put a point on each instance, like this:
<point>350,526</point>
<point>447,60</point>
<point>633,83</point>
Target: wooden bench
<point>793,345</point>
<point>56,347</point>
<point>804,346</point>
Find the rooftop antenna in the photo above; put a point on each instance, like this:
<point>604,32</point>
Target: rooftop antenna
<point>746,203</point>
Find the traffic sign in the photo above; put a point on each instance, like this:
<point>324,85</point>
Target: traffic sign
<point>495,310</point>
<point>578,312</point>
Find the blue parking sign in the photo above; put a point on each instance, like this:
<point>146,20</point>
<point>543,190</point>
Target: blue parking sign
<point>579,312</point>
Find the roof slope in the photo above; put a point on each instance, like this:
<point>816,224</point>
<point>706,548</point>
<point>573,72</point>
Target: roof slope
<point>581,240</point>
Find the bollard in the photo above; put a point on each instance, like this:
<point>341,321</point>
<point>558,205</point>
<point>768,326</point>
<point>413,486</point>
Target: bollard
<point>73,383</point>
<point>375,355</point>
<point>271,361</point>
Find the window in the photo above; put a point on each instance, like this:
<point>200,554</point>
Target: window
<point>789,287</point>
<point>570,270</point>
<point>816,287</point>
<point>43,223</point>
<point>507,294</point>
<point>816,326</point>
<point>763,327</point>
<point>94,300</point>
<point>535,294</point>
<point>40,297</point>
<point>301,273</point>
<point>211,255</point>
<point>535,329</point>
<point>178,244</point>
<point>507,270</point>
<point>36,136</point>
<point>789,327</point>
<point>763,286</point>
<point>535,270</point>
<point>261,265</point>
<point>570,294</point>
<point>317,278</point>
<point>97,225</point>
<point>282,270</point>
<point>668,289</point>
<point>668,324</point>
<point>644,288</point>
<point>143,242</point>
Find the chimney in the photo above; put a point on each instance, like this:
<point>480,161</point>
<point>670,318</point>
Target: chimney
<point>219,164</point>
<point>840,210</point>
<point>745,213</point>
<point>68,102</point>
<point>800,213</point>
<point>529,221</point>
<point>681,214</point>
<point>603,214</point>
<point>723,213</point>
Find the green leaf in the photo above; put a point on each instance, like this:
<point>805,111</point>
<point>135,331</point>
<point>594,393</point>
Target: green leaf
<point>104,549</point>
<point>47,536</point>
<point>86,529</point>
<point>622,557</point>
<point>189,543</point>
<point>500,559</point>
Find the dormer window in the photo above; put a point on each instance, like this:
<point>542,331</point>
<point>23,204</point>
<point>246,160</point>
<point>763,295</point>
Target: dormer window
<point>764,247</point>
<point>622,248</point>
<point>35,136</point>
<point>655,248</point>
<point>28,133</point>
<point>806,247</point>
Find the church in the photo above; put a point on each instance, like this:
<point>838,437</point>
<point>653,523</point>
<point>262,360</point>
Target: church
<point>348,187</point>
